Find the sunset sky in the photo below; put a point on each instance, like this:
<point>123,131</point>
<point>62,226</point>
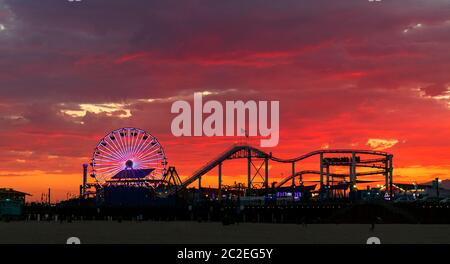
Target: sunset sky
<point>348,74</point>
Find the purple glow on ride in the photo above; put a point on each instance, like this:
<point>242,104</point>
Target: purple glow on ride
<point>128,151</point>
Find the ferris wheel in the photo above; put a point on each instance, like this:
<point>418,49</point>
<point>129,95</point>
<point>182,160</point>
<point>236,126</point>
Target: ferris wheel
<point>128,156</point>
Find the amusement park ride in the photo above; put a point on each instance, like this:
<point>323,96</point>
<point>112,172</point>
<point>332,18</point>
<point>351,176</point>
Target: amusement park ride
<point>133,158</point>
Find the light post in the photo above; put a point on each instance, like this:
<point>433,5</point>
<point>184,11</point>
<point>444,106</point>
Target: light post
<point>437,181</point>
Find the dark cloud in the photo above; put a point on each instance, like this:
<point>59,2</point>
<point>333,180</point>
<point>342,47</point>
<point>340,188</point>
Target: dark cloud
<point>435,89</point>
<point>70,51</point>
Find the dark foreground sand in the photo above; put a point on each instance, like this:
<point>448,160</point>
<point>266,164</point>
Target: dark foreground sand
<point>207,233</point>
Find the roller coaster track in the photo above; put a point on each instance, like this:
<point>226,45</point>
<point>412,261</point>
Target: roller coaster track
<point>246,151</point>
<point>336,175</point>
<point>229,154</point>
<point>336,151</point>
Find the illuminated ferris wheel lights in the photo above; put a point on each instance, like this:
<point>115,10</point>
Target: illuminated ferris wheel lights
<point>128,149</point>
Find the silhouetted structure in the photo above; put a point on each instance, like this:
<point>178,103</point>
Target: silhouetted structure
<point>11,202</point>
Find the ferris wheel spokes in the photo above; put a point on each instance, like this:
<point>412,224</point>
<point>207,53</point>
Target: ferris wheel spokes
<point>128,149</point>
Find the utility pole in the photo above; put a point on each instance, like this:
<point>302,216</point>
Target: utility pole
<point>219,191</point>
<point>249,171</point>
<point>293,173</point>
<point>266,175</point>
<point>85,167</point>
<point>437,187</point>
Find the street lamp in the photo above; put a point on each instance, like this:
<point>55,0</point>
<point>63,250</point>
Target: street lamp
<point>437,181</point>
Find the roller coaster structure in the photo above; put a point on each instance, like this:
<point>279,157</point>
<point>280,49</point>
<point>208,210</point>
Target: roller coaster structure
<point>381,161</point>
